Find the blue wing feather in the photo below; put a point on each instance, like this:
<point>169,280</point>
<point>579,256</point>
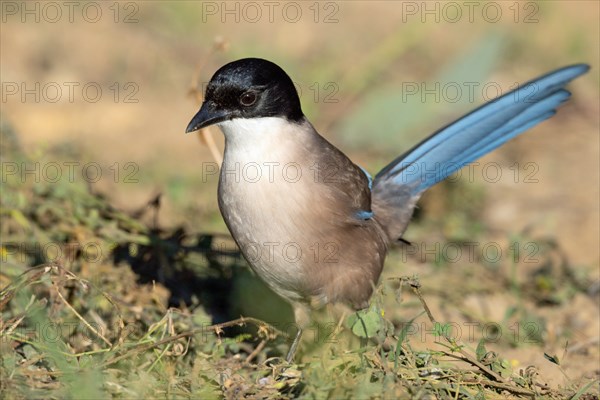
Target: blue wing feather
<point>481,131</point>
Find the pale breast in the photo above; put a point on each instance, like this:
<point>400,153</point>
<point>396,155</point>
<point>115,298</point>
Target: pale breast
<point>266,192</point>
<point>290,225</point>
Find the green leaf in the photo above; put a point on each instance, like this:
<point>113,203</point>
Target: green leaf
<point>366,323</point>
<point>20,218</point>
<point>553,359</point>
<point>441,329</point>
<point>402,337</point>
<point>502,367</point>
<point>584,389</point>
<point>481,351</point>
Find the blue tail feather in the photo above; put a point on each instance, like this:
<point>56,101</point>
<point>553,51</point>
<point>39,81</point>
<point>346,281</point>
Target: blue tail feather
<point>481,131</point>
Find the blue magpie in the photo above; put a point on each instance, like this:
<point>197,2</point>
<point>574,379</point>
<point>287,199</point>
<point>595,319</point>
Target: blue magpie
<point>311,223</point>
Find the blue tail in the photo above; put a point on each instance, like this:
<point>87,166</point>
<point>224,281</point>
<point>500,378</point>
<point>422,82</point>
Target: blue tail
<point>480,132</point>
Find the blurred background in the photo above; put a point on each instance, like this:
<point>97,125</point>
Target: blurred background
<point>350,62</point>
<point>113,85</point>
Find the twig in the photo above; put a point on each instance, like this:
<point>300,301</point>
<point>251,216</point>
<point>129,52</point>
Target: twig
<point>205,135</point>
<point>216,327</point>
<point>500,385</point>
<point>91,328</point>
<point>50,267</point>
<point>255,352</point>
<point>457,345</point>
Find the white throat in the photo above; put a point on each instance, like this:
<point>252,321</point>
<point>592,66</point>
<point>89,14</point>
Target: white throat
<point>254,128</point>
<point>261,138</point>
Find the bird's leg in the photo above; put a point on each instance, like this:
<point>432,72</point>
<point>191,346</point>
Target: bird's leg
<point>290,355</point>
<point>302,317</point>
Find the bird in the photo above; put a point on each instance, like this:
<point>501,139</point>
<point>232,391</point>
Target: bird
<point>313,225</point>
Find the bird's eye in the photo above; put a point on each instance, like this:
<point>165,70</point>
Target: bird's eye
<point>247,99</point>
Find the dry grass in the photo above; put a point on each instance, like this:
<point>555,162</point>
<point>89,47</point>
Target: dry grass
<point>84,326</point>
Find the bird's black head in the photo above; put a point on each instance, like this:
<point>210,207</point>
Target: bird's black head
<point>248,88</point>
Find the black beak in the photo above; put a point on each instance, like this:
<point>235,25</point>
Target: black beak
<point>205,117</point>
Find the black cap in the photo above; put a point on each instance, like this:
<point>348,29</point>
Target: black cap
<point>248,88</point>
